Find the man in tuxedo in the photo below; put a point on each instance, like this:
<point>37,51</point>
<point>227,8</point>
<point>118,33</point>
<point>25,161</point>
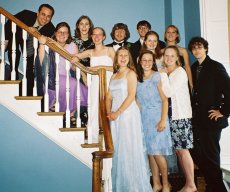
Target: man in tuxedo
<point>41,21</point>
<point>142,28</point>
<point>211,108</point>
<point>120,34</point>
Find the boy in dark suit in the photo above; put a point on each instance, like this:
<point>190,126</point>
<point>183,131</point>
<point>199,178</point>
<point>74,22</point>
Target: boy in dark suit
<point>120,34</point>
<point>211,108</point>
<point>142,28</point>
<point>41,21</point>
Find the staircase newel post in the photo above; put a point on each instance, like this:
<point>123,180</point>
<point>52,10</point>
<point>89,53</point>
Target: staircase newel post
<point>96,183</point>
<point>102,95</point>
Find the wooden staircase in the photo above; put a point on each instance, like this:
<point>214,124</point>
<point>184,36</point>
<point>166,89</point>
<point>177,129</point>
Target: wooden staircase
<point>94,155</point>
<point>49,124</point>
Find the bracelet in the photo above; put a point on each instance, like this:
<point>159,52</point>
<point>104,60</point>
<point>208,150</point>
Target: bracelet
<point>41,43</point>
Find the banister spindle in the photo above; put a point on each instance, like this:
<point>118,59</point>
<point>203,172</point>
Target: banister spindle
<point>67,94</point>
<point>46,95</point>
<point>89,125</point>
<point>2,70</point>
<point>24,56</point>
<point>35,44</point>
<point>78,75</point>
<point>57,104</point>
<point>13,73</point>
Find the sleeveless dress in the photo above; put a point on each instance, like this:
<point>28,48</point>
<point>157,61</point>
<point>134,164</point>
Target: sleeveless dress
<point>94,96</point>
<point>130,171</point>
<point>158,143</point>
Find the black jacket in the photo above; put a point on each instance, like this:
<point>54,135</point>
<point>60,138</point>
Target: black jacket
<point>211,91</point>
<point>28,18</point>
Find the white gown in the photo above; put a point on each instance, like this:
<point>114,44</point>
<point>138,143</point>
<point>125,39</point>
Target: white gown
<point>130,171</point>
<point>94,96</point>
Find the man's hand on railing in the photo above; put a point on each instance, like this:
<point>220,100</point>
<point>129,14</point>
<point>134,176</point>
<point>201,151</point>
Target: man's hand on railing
<point>42,40</point>
<point>32,29</point>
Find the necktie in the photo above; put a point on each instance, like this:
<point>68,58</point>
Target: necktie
<point>29,44</point>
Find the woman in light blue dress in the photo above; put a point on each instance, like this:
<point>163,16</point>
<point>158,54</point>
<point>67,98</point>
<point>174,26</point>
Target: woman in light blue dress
<point>130,171</point>
<point>154,112</point>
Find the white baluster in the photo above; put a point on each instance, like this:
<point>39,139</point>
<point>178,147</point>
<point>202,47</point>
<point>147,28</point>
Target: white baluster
<point>67,93</point>
<point>2,70</point>
<point>78,72</point>
<point>57,85</point>
<point>13,73</point>
<point>106,174</point>
<point>24,55</point>
<point>46,95</point>
<point>35,43</point>
<point>89,125</point>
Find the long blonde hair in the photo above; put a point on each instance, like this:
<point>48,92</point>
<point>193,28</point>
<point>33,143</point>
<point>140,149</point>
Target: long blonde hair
<point>115,63</point>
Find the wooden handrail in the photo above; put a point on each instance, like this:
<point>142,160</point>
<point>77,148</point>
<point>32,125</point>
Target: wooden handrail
<point>50,42</point>
<point>103,121</point>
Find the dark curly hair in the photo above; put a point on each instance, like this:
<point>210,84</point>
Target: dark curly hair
<point>196,41</point>
<point>120,26</point>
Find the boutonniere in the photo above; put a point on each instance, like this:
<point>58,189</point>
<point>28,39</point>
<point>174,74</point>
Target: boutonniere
<point>129,45</point>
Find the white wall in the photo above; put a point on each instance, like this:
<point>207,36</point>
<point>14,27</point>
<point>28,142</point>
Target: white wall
<point>214,28</point>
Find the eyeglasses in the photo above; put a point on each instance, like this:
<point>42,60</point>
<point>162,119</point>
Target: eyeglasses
<point>62,32</point>
<point>146,61</point>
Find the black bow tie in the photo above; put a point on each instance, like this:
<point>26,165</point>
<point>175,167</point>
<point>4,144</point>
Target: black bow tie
<point>120,44</point>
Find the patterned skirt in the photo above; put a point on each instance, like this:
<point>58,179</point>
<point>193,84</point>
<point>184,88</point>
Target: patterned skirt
<point>181,132</point>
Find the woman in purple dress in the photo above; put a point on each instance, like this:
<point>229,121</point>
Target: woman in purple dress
<point>46,63</point>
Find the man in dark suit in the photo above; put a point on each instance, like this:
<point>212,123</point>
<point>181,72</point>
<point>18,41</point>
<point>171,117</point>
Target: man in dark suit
<point>120,34</point>
<point>41,21</point>
<point>211,108</point>
<point>142,28</point>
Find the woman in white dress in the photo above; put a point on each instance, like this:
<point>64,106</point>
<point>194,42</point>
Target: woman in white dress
<point>100,57</point>
<point>130,165</point>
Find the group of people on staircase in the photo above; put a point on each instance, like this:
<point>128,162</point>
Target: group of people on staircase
<point>158,106</point>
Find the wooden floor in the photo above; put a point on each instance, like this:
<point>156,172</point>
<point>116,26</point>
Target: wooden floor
<point>177,181</point>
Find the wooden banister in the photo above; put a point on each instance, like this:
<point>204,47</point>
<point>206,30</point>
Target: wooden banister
<point>50,42</point>
<point>98,156</point>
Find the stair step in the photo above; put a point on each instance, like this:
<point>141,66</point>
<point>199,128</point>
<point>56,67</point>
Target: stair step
<point>50,113</point>
<point>28,97</point>
<point>10,81</point>
<point>93,145</point>
<point>72,129</point>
